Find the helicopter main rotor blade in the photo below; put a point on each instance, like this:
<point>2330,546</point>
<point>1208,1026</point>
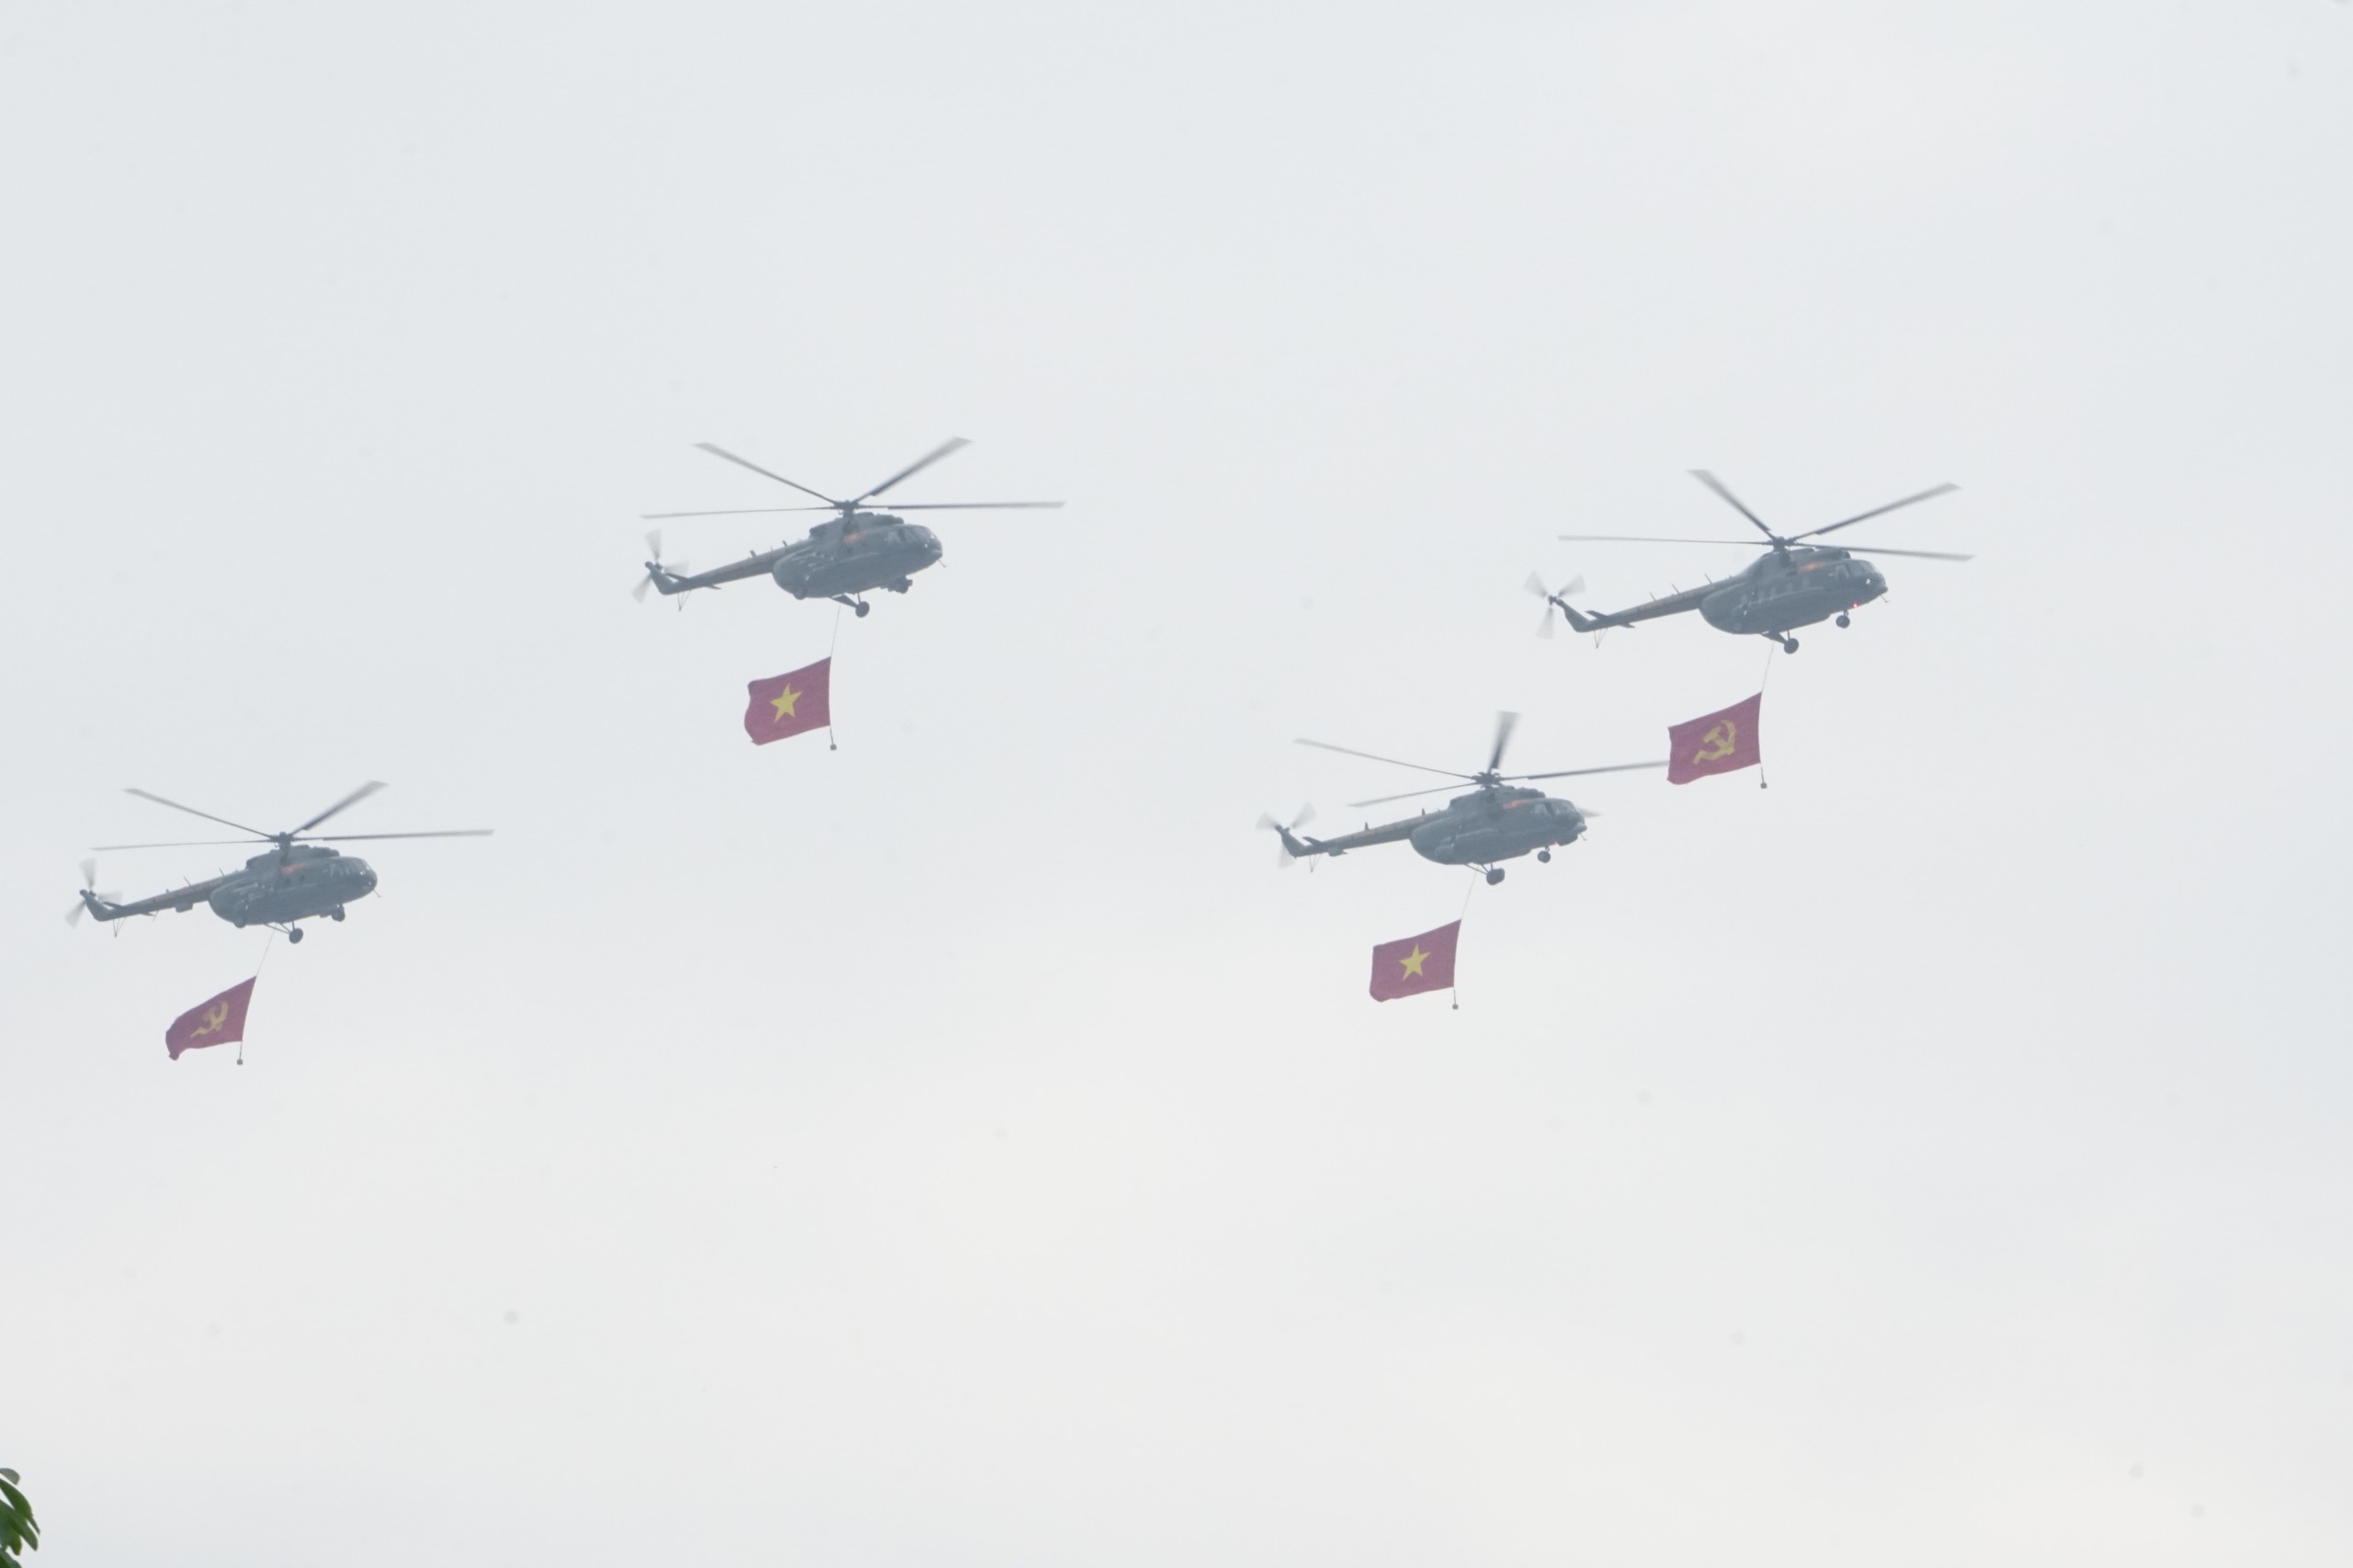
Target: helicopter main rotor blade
<point>1408,795</point>
<point>975,505</point>
<point>954,443</point>
<point>443,832</point>
<point>746,462</point>
<point>1504,724</point>
<point>1581,772</point>
<point>1712,483</point>
<point>1648,538</point>
<point>729,512</point>
<point>351,799</point>
<point>185,844</point>
<point>191,811</point>
<point>1369,757</point>
<point>1920,554</point>
<point>1879,511</point>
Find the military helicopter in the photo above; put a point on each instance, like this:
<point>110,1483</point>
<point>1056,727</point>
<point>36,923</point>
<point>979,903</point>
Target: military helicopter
<point>1796,585</point>
<point>296,879</point>
<point>1494,822</point>
<point>853,553</point>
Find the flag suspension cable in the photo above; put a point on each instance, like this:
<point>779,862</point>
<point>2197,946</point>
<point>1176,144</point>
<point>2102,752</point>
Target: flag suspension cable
<point>268,942</point>
<point>1762,683</point>
<point>1454,986</point>
<point>831,642</point>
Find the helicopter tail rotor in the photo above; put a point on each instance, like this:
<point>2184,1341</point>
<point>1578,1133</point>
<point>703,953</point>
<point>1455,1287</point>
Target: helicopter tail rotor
<point>656,569</point>
<point>1553,598</point>
<point>90,897</point>
<point>1291,849</point>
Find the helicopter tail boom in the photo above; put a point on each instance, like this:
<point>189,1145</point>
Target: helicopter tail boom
<point>1580,621</point>
<point>180,899</point>
<point>1670,604</point>
<point>1388,833</point>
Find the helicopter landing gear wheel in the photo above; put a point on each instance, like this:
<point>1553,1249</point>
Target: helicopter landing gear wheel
<point>293,933</point>
<point>862,608</point>
<point>1844,620</point>
<point>1494,875</point>
<point>335,913</point>
<point>1788,644</point>
<point>1544,857</point>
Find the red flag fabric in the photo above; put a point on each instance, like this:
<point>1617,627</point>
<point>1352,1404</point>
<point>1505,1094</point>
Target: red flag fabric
<point>1721,742</point>
<point>791,704</point>
<point>1415,965</point>
<point>217,1022</point>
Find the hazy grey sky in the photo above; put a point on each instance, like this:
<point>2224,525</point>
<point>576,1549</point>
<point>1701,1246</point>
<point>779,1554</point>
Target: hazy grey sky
<point>965,1146</point>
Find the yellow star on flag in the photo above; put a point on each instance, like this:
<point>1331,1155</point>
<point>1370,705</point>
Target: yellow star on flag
<point>1412,960</point>
<point>783,703</point>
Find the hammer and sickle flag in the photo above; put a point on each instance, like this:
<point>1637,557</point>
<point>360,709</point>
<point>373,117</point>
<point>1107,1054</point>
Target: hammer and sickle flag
<point>791,704</point>
<point>1721,742</point>
<point>1416,964</point>
<point>218,1022</point>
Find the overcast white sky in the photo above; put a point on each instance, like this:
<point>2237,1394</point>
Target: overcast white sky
<point>965,1146</point>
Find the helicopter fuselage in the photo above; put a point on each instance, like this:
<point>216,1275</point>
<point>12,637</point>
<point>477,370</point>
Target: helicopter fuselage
<point>275,887</point>
<point>1775,594</point>
<point>856,554</point>
<point>1481,828</point>
<point>853,552</point>
<point>296,878</point>
<point>841,558</point>
<point>308,880</point>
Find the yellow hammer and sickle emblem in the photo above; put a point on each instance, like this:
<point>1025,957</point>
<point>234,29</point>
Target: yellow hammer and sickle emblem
<point>1717,743</point>
<point>214,1020</point>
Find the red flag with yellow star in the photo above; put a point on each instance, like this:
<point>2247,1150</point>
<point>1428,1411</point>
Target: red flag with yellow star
<point>1415,965</point>
<point>791,704</point>
<point>217,1022</point>
<point>1721,742</point>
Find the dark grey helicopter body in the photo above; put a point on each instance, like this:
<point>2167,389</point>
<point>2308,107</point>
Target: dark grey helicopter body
<point>1483,828</point>
<point>299,877</point>
<point>855,553</point>
<point>304,883</point>
<point>1793,585</point>
<point>1497,821</point>
<point>1772,596</point>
